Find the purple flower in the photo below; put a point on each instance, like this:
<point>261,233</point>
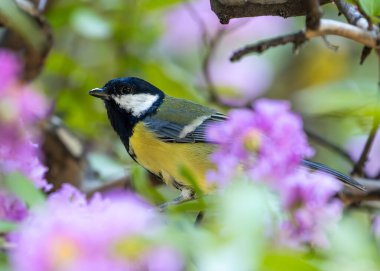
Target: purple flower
<point>9,69</point>
<point>376,226</point>
<point>102,234</point>
<point>11,208</point>
<point>308,198</point>
<point>268,142</point>
<point>20,109</point>
<point>267,145</point>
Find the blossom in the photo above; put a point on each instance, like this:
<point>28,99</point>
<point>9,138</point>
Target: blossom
<point>11,208</point>
<point>9,69</point>
<point>20,108</point>
<point>101,234</point>
<point>268,142</point>
<point>267,145</point>
<point>308,197</point>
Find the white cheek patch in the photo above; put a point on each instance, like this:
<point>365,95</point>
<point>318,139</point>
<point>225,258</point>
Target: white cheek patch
<point>192,126</point>
<point>137,104</point>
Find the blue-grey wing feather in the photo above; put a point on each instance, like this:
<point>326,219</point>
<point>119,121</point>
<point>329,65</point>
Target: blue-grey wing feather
<point>169,131</point>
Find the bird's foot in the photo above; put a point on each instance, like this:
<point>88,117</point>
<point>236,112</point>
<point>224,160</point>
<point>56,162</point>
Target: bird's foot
<point>186,195</point>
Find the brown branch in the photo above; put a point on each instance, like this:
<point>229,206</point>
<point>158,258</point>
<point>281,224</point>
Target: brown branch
<point>322,141</point>
<point>228,9</point>
<point>296,38</point>
<point>359,166</point>
<point>313,15</point>
<point>327,27</point>
<point>121,183</point>
<point>27,33</point>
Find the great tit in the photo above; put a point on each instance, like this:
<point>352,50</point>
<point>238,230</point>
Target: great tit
<point>163,133</point>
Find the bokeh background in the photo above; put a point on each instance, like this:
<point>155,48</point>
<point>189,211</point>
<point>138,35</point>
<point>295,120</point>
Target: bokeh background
<point>181,47</point>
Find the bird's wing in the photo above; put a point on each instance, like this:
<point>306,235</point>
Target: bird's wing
<point>174,132</point>
<point>181,121</point>
<point>340,176</point>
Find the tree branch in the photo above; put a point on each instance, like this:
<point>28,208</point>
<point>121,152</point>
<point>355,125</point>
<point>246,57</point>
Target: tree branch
<point>27,33</point>
<point>313,15</point>
<point>358,167</point>
<point>322,141</point>
<point>228,9</point>
<point>352,15</point>
<point>327,27</point>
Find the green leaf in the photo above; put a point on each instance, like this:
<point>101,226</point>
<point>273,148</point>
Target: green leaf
<point>142,185</point>
<point>24,189</point>
<point>286,260</point>
<point>7,226</point>
<point>371,7</point>
<point>158,4</point>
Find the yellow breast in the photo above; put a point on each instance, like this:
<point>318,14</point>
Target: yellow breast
<point>165,159</point>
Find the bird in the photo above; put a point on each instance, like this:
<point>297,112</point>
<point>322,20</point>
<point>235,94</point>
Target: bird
<point>163,133</point>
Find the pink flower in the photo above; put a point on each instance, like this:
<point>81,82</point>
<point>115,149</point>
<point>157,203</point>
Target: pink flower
<point>269,142</point>
<point>308,197</point>
<point>11,208</point>
<point>9,69</point>
<point>20,109</point>
<point>267,145</point>
<point>102,234</point>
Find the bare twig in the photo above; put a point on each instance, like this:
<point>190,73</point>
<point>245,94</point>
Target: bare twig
<point>210,44</point>
<point>206,66</point>
<point>327,27</point>
<point>322,141</point>
<point>358,168</point>
<point>313,15</point>
<point>121,183</point>
<point>365,15</point>
<point>356,18</point>
<point>296,38</point>
<point>352,15</point>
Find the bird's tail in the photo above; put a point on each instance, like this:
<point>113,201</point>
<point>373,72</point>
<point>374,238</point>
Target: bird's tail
<point>340,176</point>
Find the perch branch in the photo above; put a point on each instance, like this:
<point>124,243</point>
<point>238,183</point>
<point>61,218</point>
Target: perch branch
<point>327,27</point>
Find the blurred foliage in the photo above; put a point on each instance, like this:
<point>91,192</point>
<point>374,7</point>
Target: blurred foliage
<point>98,41</point>
<point>370,7</point>
<point>95,41</point>
<point>24,189</point>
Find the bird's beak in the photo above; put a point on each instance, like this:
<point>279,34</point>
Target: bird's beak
<point>99,93</point>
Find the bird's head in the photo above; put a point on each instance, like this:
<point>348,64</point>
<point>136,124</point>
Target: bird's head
<point>130,94</point>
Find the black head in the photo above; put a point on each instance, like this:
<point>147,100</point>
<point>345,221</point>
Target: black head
<point>133,95</point>
<point>128,100</point>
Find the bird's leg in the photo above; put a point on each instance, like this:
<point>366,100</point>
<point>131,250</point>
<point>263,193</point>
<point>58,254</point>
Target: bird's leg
<point>186,195</point>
